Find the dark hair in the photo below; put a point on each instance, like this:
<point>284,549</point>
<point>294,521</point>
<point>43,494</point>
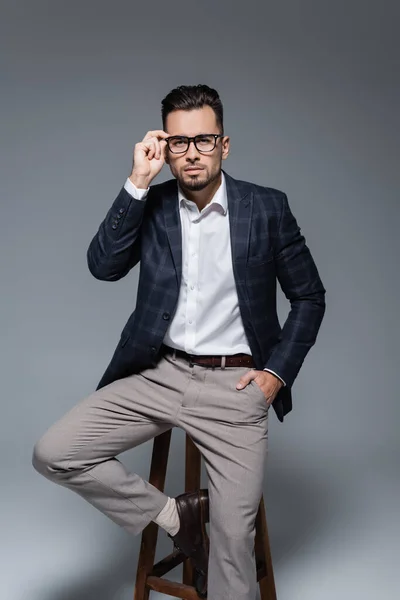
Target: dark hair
<point>188,97</point>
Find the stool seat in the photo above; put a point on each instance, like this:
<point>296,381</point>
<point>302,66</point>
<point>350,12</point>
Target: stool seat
<point>150,575</point>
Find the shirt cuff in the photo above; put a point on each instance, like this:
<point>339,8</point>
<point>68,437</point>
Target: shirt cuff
<point>137,193</point>
<point>276,375</point>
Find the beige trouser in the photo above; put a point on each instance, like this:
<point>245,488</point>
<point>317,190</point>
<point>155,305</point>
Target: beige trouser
<point>229,426</point>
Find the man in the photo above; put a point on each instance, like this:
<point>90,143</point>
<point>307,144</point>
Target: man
<point>203,350</point>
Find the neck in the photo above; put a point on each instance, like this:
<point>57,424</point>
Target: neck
<point>204,196</point>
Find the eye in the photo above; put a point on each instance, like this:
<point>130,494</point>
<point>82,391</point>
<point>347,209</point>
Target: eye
<point>177,141</point>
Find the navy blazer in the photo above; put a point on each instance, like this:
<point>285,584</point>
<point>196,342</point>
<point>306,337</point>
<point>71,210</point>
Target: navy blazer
<point>266,246</point>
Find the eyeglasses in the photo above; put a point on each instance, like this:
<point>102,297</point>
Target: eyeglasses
<point>178,144</point>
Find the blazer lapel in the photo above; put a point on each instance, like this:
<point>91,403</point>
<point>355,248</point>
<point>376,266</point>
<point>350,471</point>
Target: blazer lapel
<point>239,211</point>
<point>173,227</point>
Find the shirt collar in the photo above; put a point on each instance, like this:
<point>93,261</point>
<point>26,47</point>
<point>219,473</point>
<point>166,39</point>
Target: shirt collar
<point>218,198</point>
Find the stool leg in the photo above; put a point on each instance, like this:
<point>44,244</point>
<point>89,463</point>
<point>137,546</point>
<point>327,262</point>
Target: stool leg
<point>192,483</point>
<point>148,543</point>
<point>263,553</point>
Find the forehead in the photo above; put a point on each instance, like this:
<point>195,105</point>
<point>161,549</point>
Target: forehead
<point>191,122</point>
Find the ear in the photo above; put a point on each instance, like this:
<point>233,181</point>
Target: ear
<point>225,146</point>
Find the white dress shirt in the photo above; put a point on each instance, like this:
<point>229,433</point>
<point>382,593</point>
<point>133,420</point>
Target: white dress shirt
<point>207,319</point>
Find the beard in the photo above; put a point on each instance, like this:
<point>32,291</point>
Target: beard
<point>197,182</point>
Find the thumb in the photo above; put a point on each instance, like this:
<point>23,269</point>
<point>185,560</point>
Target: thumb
<point>241,384</point>
<point>244,380</point>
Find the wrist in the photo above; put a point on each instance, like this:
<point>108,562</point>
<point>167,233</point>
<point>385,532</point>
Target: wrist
<point>140,181</point>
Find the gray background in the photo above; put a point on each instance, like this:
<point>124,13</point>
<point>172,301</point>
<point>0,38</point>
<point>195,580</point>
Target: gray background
<point>311,97</point>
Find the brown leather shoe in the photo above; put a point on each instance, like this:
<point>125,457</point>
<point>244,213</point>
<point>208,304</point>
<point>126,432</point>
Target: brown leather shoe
<point>192,538</point>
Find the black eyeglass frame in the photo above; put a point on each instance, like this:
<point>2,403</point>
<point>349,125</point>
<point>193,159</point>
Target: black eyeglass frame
<point>190,139</point>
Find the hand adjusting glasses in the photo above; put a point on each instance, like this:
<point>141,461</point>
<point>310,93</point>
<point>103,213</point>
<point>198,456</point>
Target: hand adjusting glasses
<point>178,144</point>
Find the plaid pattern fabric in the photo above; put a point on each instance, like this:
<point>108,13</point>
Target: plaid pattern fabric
<point>267,246</point>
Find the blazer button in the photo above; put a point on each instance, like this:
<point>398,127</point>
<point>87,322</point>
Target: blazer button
<point>153,349</point>
<point>166,316</point>
<point>121,210</point>
<point>114,226</point>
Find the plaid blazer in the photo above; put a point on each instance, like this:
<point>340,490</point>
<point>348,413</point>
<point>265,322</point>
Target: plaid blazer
<point>266,246</point>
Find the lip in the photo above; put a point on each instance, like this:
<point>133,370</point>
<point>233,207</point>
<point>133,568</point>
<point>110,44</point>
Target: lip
<point>193,169</point>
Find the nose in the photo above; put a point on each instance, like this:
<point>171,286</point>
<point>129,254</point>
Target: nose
<point>192,151</point>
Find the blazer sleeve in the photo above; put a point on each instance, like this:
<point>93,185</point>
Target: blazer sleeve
<point>300,282</point>
<point>115,248</point>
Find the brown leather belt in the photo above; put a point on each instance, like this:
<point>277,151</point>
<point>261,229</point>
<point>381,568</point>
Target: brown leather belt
<point>209,360</point>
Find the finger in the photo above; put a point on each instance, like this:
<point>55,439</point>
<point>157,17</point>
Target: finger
<point>243,381</point>
<point>151,145</point>
<point>163,149</point>
<point>152,149</point>
<point>247,377</point>
<point>156,148</point>
<point>146,147</point>
<point>158,133</point>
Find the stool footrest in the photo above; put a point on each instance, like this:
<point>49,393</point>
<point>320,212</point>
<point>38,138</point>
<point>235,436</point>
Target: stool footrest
<point>172,588</point>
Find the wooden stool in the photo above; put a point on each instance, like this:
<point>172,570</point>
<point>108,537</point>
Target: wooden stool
<point>149,576</point>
